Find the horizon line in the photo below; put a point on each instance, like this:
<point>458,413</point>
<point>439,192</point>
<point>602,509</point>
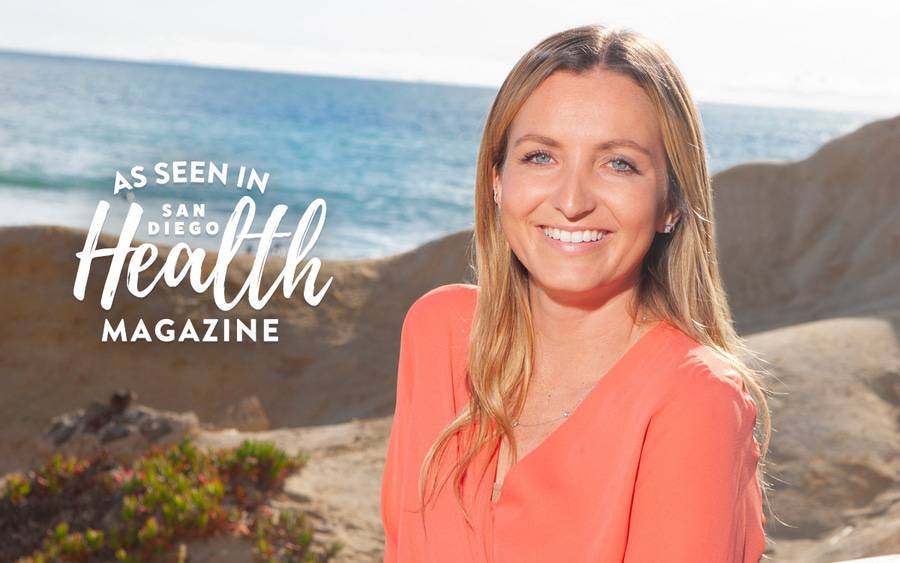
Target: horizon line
<point>200,65</point>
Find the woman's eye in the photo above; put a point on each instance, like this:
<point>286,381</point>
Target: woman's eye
<point>530,157</point>
<point>622,165</point>
<point>618,164</point>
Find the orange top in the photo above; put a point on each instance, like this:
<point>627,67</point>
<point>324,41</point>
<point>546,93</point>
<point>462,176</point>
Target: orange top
<point>657,463</point>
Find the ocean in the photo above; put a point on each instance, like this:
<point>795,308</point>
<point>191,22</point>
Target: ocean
<point>394,161</point>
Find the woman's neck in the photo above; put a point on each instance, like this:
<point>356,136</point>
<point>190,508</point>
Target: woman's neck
<point>582,336</point>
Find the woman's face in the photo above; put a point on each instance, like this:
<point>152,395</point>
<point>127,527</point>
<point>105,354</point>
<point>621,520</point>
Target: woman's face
<point>585,153</point>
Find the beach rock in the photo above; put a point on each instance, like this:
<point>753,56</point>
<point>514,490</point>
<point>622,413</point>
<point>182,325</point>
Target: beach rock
<point>123,430</point>
<point>815,238</point>
<point>834,462</point>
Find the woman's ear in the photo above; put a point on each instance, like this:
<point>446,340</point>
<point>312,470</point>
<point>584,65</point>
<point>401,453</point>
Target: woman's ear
<point>675,216</point>
<point>671,221</point>
<point>498,188</point>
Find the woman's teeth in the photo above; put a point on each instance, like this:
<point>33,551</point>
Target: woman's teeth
<point>574,236</point>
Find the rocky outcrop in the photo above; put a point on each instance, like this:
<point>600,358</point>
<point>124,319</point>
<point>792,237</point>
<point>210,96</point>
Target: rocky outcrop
<point>119,428</point>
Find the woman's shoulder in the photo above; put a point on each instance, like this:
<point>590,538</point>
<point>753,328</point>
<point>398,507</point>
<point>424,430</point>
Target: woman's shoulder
<point>449,302</point>
<point>436,329</point>
<point>700,374</point>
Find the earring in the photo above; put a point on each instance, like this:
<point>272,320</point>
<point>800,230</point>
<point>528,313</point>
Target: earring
<point>669,227</point>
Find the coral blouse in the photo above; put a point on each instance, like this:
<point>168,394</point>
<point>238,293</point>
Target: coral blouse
<point>657,463</point>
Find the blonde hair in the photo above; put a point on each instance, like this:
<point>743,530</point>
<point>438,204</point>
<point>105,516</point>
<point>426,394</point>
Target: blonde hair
<point>680,280</point>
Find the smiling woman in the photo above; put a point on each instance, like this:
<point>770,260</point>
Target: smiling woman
<point>586,401</point>
<point>590,177</point>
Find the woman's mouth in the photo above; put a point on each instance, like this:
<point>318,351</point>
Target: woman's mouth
<point>573,242</point>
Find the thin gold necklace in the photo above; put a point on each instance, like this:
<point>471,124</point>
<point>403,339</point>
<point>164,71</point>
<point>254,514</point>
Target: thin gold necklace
<point>566,413</point>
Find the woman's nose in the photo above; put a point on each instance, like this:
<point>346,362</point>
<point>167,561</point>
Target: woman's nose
<point>573,195</point>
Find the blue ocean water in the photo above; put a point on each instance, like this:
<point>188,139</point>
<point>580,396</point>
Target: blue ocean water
<point>394,161</point>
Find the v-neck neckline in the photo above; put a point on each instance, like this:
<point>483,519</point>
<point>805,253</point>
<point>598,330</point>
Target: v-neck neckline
<point>582,405</point>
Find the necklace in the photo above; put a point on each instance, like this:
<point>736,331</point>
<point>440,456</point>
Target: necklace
<point>566,412</point>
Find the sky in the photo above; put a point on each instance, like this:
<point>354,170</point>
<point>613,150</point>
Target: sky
<point>821,55</point>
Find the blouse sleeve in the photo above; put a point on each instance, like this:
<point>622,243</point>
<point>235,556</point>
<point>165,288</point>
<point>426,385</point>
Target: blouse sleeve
<point>392,480</point>
<point>698,455</point>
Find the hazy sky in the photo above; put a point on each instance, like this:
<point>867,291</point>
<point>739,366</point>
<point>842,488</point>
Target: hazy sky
<point>817,54</point>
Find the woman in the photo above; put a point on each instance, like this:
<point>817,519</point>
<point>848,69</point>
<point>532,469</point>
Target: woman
<point>585,402</point>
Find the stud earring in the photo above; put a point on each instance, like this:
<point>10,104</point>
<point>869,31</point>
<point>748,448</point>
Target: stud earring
<point>669,227</point>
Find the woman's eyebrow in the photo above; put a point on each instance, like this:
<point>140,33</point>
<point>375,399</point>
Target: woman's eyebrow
<point>549,141</point>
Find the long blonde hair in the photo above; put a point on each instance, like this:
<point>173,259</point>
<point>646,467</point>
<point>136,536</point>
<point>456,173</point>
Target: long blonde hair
<point>680,280</point>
